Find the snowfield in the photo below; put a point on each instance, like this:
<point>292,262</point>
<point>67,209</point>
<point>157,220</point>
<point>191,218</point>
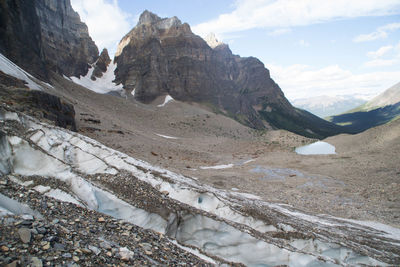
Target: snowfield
<point>214,221</point>
<point>8,67</point>
<point>102,85</point>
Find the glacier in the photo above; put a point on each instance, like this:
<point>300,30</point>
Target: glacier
<point>212,220</point>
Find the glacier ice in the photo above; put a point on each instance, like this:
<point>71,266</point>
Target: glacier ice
<point>12,206</point>
<point>219,229</point>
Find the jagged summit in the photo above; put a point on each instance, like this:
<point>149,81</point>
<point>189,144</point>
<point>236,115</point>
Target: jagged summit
<point>101,65</point>
<point>162,56</point>
<point>212,40</point>
<point>148,17</point>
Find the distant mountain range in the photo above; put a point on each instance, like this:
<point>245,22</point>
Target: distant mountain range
<point>324,106</point>
<point>381,109</point>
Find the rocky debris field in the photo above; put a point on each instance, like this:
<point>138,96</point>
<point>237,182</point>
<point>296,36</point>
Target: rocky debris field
<point>69,235</point>
<point>183,216</point>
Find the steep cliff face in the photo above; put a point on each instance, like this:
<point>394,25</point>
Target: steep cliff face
<point>20,38</point>
<point>44,35</point>
<point>101,64</point>
<point>162,56</point>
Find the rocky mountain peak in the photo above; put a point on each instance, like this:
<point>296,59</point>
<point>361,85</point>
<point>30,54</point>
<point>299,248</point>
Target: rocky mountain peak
<point>162,56</point>
<point>101,65</point>
<point>148,17</point>
<point>212,40</point>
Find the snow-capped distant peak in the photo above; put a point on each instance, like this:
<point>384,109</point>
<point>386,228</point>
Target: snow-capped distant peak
<point>324,106</point>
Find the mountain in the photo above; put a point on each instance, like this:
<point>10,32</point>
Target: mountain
<point>389,97</point>
<point>176,184</point>
<point>324,106</point>
<point>380,110</point>
<point>161,56</point>
<point>45,35</point>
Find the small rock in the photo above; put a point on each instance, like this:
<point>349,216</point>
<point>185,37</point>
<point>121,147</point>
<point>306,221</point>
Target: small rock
<point>101,219</point>
<point>36,262</point>
<point>67,255</point>
<point>41,230</point>
<point>105,245</point>
<point>26,222</point>
<point>86,251</point>
<point>27,217</point>
<point>46,247</point>
<point>146,246</point>
<point>125,254</point>
<point>58,246</point>
<point>112,226</point>
<point>109,254</point>
<point>4,248</point>
<point>25,235</point>
<point>94,249</point>
<point>75,258</point>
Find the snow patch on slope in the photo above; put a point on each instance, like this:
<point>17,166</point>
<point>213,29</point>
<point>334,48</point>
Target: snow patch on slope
<point>167,136</point>
<point>8,67</point>
<point>101,85</point>
<point>217,167</point>
<point>167,99</point>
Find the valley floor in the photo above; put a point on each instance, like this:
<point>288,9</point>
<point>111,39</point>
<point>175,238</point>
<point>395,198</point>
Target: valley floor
<point>361,181</point>
<point>215,189</point>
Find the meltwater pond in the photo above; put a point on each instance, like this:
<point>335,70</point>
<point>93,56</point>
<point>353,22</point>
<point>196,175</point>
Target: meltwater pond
<point>317,148</point>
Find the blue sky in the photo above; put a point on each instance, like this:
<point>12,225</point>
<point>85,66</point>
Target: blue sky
<point>311,47</point>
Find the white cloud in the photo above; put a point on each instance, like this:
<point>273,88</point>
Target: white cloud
<point>380,52</point>
<point>303,43</point>
<point>302,81</point>
<point>107,23</point>
<point>380,33</point>
<point>280,31</point>
<point>378,62</point>
<point>249,14</point>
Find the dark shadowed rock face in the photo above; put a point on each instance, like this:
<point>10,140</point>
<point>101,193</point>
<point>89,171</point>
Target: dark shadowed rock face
<point>101,65</point>
<point>45,35</point>
<point>20,38</point>
<point>162,56</point>
<point>66,43</point>
<point>39,104</point>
